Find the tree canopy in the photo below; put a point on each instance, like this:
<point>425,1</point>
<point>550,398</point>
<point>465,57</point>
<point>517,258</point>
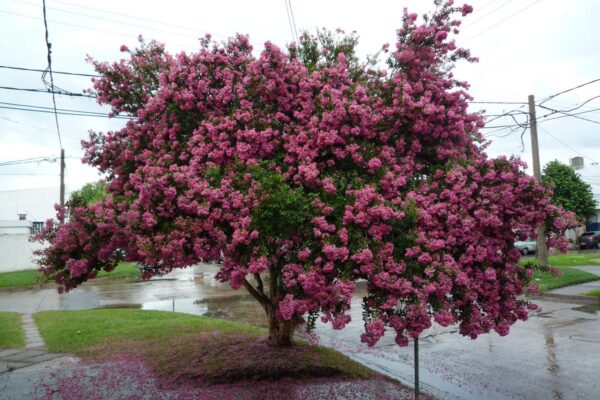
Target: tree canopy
<point>309,170</point>
<point>569,191</point>
<point>89,194</point>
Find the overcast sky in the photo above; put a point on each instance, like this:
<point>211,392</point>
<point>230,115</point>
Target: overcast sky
<point>525,47</point>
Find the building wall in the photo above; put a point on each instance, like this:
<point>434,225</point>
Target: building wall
<point>37,203</point>
<point>16,252</point>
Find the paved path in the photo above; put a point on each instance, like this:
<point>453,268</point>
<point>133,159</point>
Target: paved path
<point>34,352</point>
<point>582,288</point>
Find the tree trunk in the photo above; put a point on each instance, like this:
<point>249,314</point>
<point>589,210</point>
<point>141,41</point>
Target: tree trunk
<point>281,333</point>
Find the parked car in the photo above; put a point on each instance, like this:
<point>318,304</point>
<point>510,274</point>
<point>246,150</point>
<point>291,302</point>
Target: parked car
<point>527,246</point>
<point>589,240</point>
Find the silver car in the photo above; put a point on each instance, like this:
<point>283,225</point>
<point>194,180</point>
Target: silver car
<point>527,246</point>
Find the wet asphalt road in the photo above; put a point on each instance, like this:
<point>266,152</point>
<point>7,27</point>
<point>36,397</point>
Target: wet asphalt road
<point>555,355</point>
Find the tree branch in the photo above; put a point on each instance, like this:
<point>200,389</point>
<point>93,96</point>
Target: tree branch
<point>262,299</point>
<point>260,286</point>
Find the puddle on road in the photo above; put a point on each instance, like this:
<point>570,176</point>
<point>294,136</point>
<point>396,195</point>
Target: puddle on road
<point>239,308</point>
<point>593,309</point>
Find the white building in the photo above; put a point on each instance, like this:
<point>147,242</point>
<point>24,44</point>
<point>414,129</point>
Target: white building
<point>590,173</point>
<point>22,213</point>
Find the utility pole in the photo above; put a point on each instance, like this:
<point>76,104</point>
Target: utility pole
<point>542,249</point>
<point>62,177</point>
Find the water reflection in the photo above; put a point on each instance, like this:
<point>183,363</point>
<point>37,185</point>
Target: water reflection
<point>589,308</point>
<point>553,366</point>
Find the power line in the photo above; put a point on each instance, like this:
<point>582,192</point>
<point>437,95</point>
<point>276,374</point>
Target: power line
<point>49,47</point>
<point>182,27</point>
<point>76,25</point>
<point>29,160</point>
<point>566,145</point>
<point>502,21</point>
<point>111,20</point>
<point>74,113</point>
<point>497,102</point>
<point>293,18</point>
<point>47,91</point>
<point>572,109</point>
<point>569,115</point>
<point>289,17</point>
<point>94,113</point>
<point>568,90</point>
<point>26,174</point>
<point>470,24</point>
<point>42,70</point>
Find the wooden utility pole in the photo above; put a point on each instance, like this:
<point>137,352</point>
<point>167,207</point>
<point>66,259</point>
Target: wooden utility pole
<point>542,249</point>
<point>62,177</point>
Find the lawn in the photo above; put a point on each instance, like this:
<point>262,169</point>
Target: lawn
<point>198,350</point>
<point>31,277</point>
<point>11,333</point>
<point>569,276</point>
<point>595,293</point>
<point>573,259</point>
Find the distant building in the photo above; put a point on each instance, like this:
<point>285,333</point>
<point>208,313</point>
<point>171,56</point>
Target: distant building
<point>37,203</point>
<point>590,174</point>
<point>22,214</point>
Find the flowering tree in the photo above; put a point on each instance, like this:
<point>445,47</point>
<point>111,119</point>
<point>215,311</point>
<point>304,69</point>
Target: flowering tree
<point>308,171</point>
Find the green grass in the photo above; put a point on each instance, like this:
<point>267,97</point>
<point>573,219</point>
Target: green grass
<point>76,331</point>
<point>31,277</point>
<point>569,276</point>
<point>182,348</point>
<point>594,293</point>
<point>17,279</point>
<point>11,333</point>
<point>573,259</point>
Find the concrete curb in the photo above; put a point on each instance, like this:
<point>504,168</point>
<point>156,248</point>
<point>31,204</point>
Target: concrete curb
<point>567,298</point>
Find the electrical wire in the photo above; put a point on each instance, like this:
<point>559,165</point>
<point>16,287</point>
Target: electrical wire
<point>75,113</point>
<point>111,20</point>
<point>49,47</point>
<point>42,70</point>
<point>287,11</point>
<point>293,18</point>
<point>81,26</point>
<point>501,21</point>
<point>182,27</point>
<point>566,145</point>
<point>481,18</point>
<point>568,90</point>
<point>569,115</point>
<point>91,113</point>
<point>29,160</point>
<point>572,109</point>
<point>497,102</point>
<point>47,91</point>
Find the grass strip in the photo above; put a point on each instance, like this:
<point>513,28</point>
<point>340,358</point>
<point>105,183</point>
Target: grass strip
<point>11,331</point>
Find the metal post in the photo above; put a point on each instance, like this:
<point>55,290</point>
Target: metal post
<point>542,249</point>
<point>416,341</point>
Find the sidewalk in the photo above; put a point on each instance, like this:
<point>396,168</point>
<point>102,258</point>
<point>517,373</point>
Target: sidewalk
<point>35,351</point>
<point>582,288</point>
